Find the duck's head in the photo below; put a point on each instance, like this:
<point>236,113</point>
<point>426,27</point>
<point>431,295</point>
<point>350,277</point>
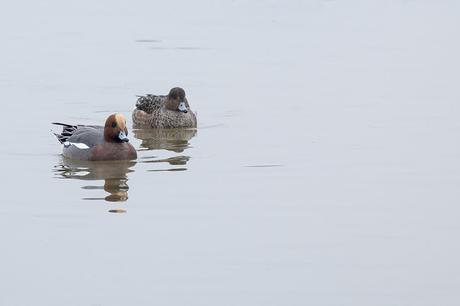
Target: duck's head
<point>176,100</point>
<point>115,129</point>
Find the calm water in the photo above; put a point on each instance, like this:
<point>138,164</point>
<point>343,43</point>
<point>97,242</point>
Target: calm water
<point>324,171</point>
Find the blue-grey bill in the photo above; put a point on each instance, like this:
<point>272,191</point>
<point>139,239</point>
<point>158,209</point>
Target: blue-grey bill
<point>182,107</point>
<point>123,136</point>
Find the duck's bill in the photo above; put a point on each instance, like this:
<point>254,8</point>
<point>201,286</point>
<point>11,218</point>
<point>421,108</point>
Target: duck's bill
<point>122,136</point>
<point>182,108</point>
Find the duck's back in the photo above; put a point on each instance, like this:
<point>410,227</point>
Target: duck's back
<point>79,140</point>
<point>90,135</point>
<point>150,103</point>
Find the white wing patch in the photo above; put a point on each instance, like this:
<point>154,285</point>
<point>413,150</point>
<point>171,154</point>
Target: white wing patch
<point>78,145</point>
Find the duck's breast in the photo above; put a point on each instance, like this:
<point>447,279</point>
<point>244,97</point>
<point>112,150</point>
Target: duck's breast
<point>174,119</point>
<point>113,151</point>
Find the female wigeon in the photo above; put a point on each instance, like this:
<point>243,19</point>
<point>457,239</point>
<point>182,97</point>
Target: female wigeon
<point>171,111</point>
<point>96,143</point>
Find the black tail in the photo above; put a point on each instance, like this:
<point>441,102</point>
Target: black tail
<point>67,131</point>
<point>64,124</point>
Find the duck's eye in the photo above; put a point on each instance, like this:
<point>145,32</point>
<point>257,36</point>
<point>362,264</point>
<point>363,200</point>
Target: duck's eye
<point>114,124</point>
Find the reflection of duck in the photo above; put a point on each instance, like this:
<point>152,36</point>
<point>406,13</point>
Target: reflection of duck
<point>176,140</point>
<point>118,189</point>
<point>171,111</point>
<point>114,174</point>
<point>173,161</point>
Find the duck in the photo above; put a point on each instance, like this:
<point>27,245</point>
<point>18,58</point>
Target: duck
<point>160,111</point>
<point>97,143</point>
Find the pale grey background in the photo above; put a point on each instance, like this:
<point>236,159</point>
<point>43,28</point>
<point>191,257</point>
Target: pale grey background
<point>354,104</point>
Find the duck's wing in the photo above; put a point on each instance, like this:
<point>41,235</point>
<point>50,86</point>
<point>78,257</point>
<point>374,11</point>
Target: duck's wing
<point>80,135</point>
<point>149,103</point>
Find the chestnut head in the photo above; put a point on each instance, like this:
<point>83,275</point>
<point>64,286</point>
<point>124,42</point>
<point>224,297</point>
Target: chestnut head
<point>115,129</point>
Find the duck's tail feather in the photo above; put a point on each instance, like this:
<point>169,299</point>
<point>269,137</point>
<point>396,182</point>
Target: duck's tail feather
<point>59,137</point>
<point>64,124</point>
<point>67,131</point>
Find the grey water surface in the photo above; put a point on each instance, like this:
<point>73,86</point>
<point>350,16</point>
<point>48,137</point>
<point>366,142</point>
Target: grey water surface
<point>324,171</point>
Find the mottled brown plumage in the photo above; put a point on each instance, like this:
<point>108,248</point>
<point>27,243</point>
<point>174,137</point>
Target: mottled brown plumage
<point>171,111</point>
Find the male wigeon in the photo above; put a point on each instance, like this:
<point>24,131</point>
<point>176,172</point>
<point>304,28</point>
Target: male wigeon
<point>171,111</point>
<point>97,143</point>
